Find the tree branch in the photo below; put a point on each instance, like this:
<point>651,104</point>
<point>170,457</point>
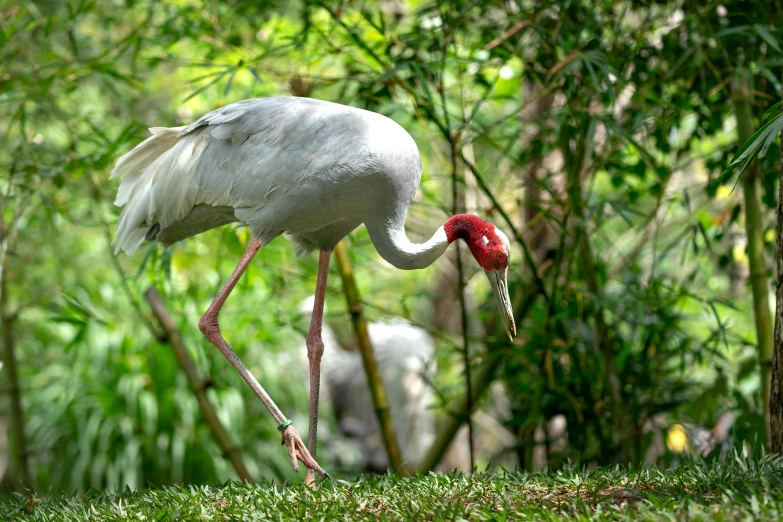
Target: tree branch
<point>174,338</point>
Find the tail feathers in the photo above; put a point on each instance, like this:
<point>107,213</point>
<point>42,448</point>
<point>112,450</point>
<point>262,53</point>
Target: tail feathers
<point>131,242</point>
<point>132,227</point>
<point>138,168</point>
<point>133,164</point>
<point>158,188</point>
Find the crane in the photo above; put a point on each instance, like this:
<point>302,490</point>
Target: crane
<point>307,169</point>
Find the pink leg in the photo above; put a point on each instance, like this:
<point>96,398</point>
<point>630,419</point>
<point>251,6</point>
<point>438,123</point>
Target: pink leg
<point>211,330</point>
<point>315,349</point>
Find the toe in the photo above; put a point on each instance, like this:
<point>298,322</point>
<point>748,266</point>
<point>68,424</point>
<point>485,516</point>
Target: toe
<point>291,443</point>
<point>294,460</point>
<point>297,451</point>
<point>313,465</point>
<point>308,460</point>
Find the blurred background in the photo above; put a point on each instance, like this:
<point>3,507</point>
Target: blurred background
<point>594,133</point>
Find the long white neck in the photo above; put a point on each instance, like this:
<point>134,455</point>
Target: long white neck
<point>393,245</point>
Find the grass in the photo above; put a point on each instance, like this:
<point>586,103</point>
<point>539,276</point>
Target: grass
<point>736,489</point>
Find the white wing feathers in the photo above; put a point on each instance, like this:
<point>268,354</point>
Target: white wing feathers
<point>242,156</point>
<point>136,161</point>
<point>151,190</point>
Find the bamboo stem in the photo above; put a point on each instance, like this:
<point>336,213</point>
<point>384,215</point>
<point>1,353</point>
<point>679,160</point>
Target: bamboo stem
<point>19,462</point>
<point>754,227</point>
<point>371,368</point>
<point>174,338</point>
<point>776,392</point>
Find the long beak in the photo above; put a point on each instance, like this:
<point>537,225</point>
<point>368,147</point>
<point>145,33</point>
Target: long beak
<point>499,281</point>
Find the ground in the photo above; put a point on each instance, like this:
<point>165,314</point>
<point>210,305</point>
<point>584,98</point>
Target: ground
<point>735,489</point>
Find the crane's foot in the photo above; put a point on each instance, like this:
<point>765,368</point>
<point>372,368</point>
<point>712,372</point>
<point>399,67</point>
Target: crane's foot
<point>297,451</point>
<point>310,479</point>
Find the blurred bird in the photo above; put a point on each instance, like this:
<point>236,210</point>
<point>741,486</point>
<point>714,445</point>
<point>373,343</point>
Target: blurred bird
<point>405,355</point>
<point>683,438</point>
<point>307,169</point>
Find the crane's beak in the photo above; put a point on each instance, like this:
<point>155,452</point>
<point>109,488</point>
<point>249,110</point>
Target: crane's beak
<point>499,281</point>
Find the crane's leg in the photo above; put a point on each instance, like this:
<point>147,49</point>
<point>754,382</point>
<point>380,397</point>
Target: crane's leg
<point>211,330</point>
<point>315,349</point>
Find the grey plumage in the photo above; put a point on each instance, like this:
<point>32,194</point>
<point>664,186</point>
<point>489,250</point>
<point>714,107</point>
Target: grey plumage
<point>309,169</point>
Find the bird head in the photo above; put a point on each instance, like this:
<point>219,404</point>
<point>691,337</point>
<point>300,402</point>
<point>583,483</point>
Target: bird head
<point>491,249</point>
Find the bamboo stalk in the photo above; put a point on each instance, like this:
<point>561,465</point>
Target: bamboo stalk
<point>754,227</point>
<point>371,368</point>
<point>174,338</point>
<point>776,392</point>
<point>19,469</point>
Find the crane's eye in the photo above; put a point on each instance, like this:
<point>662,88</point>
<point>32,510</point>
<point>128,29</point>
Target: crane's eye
<point>500,256</point>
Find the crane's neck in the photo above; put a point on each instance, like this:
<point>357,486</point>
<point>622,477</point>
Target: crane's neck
<point>393,245</point>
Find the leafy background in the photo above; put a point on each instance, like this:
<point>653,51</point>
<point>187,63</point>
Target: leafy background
<point>594,132</point>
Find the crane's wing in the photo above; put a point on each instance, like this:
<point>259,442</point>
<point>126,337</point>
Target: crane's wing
<point>242,156</point>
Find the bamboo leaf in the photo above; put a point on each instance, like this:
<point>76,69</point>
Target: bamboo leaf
<point>773,78</point>
<point>740,29</point>
<point>97,131</point>
<point>623,135</point>
<point>765,35</point>
<point>207,86</point>
<point>229,82</point>
<point>771,110</point>
<point>776,128</point>
<point>150,249</point>
<point>255,74</point>
<point>759,142</point>
<point>394,70</point>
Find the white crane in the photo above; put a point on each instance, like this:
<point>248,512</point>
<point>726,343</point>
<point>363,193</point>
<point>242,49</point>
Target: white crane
<point>308,169</point>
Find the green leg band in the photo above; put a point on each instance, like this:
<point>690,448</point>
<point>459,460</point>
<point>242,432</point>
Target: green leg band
<point>284,425</point>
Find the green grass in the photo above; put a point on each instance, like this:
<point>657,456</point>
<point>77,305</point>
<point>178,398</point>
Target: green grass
<point>737,489</point>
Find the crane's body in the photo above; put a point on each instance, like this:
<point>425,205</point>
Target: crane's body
<point>309,169</point>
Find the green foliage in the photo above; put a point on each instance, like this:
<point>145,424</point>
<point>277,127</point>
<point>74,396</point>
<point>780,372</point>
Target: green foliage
<point>739,487</point>
<point>759,143</point>
<point>594,132</point>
